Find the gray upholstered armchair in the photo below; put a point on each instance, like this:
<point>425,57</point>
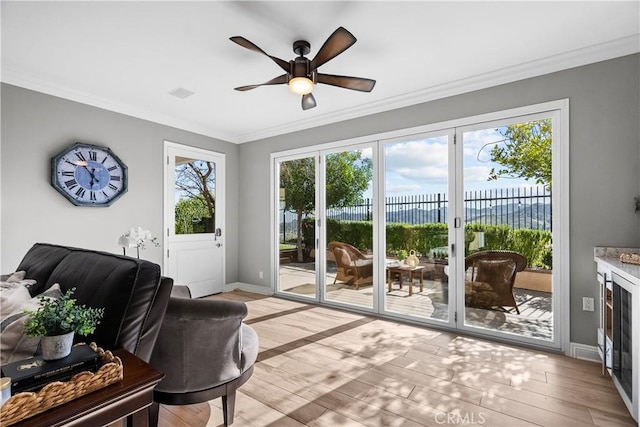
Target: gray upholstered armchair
<point>205,352</point>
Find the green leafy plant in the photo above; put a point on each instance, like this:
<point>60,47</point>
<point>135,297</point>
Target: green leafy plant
<point>60,316</point>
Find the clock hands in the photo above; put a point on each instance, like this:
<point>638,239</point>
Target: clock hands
<point>92,175</point>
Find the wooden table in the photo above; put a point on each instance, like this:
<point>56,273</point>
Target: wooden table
<point>130,398</point>
<point>400,270</point>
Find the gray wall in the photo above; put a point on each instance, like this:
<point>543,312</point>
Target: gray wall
<point>36,127</point>
<point>604,164</point>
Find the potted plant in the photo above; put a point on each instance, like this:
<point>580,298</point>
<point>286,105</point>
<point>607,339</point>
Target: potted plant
<point>57,320</point>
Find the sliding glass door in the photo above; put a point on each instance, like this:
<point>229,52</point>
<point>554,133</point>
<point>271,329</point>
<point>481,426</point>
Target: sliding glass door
<point>348,243</point>
<point>454,227</point>
<point>417,188</point>
<point>507,228</point>
<point>296,209</point>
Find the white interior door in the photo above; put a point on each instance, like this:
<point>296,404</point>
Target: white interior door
<point>194,218</point>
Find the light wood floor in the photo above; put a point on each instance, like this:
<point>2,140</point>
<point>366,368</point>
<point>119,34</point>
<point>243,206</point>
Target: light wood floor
<point>324,367</point>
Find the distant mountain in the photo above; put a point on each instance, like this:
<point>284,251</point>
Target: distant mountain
<point>534,216</point>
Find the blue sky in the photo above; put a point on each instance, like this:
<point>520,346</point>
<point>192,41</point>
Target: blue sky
<point>420,166</point>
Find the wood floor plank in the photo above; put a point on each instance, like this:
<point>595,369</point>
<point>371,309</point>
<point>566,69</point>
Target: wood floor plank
<point>323,367</point>
<point>530,413</point>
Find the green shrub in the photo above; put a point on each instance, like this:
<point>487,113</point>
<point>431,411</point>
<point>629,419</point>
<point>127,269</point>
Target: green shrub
<point>535,245</point>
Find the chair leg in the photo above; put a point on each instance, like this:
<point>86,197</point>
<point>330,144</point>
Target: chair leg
<point>228,407</point>
<point>154,414</point>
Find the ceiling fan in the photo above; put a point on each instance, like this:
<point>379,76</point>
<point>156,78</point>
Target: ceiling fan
<point>301,73</point>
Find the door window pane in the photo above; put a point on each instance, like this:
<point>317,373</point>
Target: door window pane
<point>508,229</point>
<point>195,196</point>
<point>417,240</point>
<point>349,230</point>
<point>297,206</point>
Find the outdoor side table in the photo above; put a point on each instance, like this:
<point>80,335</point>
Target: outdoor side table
<point>402,269</point>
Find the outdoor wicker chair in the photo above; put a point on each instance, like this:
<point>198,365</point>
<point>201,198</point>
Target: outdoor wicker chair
<point>498,270</point>
<point>354,267</point>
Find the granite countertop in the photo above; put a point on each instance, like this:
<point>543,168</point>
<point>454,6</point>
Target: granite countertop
<point>611,257</point>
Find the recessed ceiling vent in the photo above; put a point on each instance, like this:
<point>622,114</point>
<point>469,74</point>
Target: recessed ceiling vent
<point>181,93</point>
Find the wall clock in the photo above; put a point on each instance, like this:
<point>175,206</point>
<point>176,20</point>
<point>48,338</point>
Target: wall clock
<point>89,175</point>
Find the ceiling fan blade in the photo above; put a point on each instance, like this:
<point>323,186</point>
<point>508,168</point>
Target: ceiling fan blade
<point>347,82</point>
<point>275,81</point>
<point>308,101</point>
<point>338,42</point>
<point>248,45</point>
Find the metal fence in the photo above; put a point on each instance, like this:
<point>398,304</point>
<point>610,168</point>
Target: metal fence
<point>517,207</point>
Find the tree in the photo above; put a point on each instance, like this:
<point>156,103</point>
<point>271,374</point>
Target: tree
<point>195,181</point>
<point>526,152</point>
<point>189,215</point>
<point>347,177</point>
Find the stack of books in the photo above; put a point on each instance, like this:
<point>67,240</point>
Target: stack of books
<point>34,373</point>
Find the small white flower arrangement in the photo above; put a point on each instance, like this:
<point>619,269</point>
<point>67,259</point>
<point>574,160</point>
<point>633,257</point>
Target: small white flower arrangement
<point>136,238</point>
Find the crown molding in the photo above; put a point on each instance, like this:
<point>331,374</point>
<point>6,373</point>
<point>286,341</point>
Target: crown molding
<point>591,54</point>
<point>26,81</point>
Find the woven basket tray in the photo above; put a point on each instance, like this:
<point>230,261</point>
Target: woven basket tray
<point>27,404</point>
<point>630,258</point>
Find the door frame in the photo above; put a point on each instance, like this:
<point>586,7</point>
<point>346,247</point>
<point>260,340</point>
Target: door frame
<point>168,205</point>
<point>560,233</point>
<point>560,201</point>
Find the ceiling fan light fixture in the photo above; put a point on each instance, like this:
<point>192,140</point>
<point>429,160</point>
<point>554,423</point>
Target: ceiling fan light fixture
<point>301,85</point>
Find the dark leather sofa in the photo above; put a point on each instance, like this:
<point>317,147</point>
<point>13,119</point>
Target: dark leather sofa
<point>132,291</point>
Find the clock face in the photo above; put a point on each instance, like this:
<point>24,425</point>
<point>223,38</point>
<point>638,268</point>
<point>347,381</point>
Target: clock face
<point>89,175</point>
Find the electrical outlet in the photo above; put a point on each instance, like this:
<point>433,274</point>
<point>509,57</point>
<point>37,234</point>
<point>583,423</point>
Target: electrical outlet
<point>261,275</point>
<point>587,304</point>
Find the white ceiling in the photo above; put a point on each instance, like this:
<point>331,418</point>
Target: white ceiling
<point>128,56</point>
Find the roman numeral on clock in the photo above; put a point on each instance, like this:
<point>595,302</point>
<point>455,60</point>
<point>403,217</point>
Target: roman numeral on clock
<point>92,195</point>
<point>114,177</point>
<point>80,156</point>
<point>71,184</point>
<point>93,155</point>
<point>67,173</point>
<point>80,192</point>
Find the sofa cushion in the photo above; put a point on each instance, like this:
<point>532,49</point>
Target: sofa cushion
<point>39,262</point>
<point>125,287</point>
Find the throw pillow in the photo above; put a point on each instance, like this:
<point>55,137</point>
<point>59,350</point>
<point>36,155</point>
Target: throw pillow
<point>8,282</point>
<point>11,299</point>
<point>13,277</point>
<point>497,273</point>
<point>14,344</point>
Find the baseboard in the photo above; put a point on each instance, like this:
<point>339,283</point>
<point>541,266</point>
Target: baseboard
<point>585,352</point>
<point>263,290</point>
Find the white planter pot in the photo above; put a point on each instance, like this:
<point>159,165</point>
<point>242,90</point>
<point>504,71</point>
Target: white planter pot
<point>57,346</point>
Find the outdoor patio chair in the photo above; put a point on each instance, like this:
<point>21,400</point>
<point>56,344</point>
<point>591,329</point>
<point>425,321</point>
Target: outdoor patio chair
<point>490,278</point>
<point>354,267</point>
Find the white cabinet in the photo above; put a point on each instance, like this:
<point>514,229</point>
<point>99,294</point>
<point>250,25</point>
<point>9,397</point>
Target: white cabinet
<point>619,326</point>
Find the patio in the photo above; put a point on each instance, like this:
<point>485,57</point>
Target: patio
<point>534,321</point>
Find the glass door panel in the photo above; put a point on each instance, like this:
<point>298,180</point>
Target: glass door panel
<point>296,211</point>
<point>348,201</point>
<point>416,188</point>
<point>507,229</point>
